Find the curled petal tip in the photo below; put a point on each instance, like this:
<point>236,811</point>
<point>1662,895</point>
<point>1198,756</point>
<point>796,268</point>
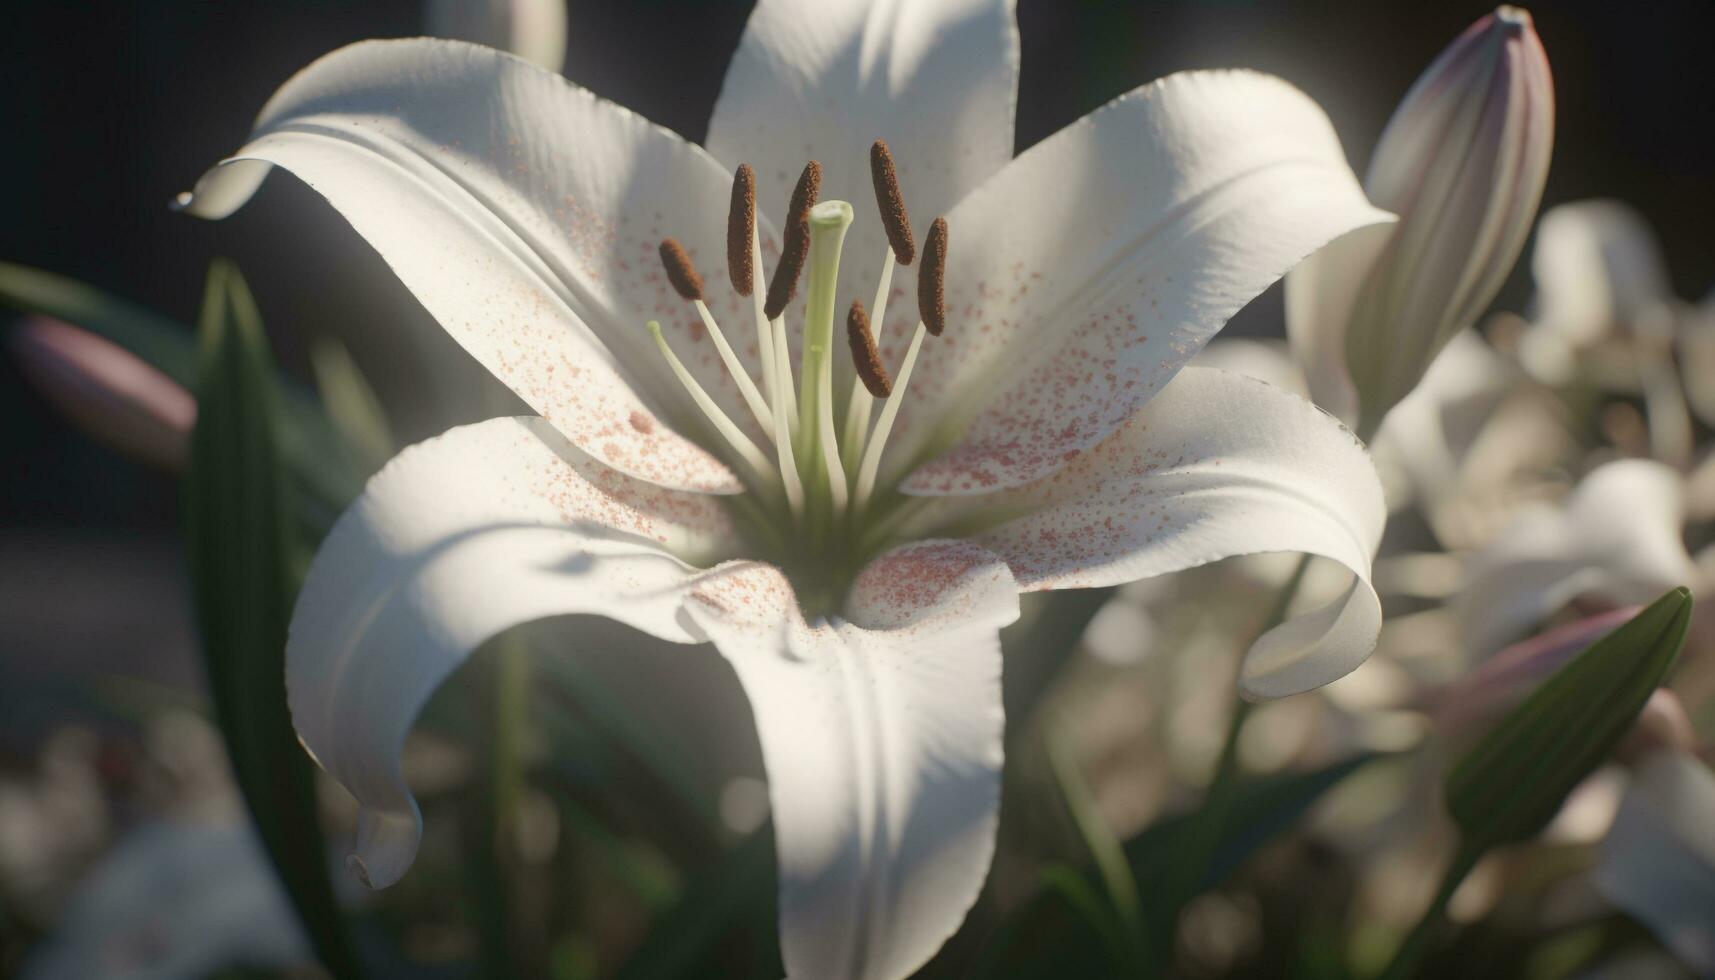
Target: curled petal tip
<point>358,870</point>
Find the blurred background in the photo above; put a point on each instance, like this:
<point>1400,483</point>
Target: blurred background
<point>109,109</point>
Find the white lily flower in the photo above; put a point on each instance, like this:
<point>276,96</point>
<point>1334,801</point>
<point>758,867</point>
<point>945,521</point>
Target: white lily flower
<point>856,575</point>
<point>175,900</point>
<point>1599,272</point>
<point>1616,539</point>
<point>534,30</point>
<point>1463,162</point>
<point>1658,860</point>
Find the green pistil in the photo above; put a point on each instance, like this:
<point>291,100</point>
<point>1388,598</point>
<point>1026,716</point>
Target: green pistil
<point>819,460</point>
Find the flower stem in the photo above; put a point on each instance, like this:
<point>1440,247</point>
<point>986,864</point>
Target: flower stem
<point>1190,871</point>
<point>492,861</point>
<point>1434,921</point>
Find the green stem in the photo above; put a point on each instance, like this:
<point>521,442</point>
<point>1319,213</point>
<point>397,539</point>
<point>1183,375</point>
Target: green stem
<point>1186,879</point>
<point>1434,921</point>
<point>491,844</point>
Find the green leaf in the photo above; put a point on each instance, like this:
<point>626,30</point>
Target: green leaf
<point>1064,929</point>
<point>1131,942</point>
<point>236,513</point>
<point>351,404</point>
<point>1261,808</point>
<point>1512,782</point>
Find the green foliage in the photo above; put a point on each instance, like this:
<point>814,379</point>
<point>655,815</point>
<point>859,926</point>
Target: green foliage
<point>1070,929</point>
<point>237,502</point>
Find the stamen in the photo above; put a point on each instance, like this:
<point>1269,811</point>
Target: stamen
<point>796,246</point>
<point>683,275</point>
<point>891,202</point>
<point>744,266</point>
<point>740,443</point>
<point>884,425</point>
<point>740,223</point>
<point>680,272</point>
<point>932,280</point>
<point>865,358</point>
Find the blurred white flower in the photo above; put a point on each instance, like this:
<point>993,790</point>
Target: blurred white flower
<point>1470,443</point>
<point>1042,431</point>
<point>1605,314</point>
<point>174,901</point>
<point>1462,162</point>
<point>1616,540</point>
<point>534,30</point>
<point>1599,271</point>
<point>1658,860</point>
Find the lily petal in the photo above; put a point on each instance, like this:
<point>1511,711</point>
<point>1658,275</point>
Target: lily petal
<point>1216,465</point>
<point>524,213</point>
<point>1617,538</point>
<point>1658,861</point>
<point>1089,270</point>
<point>457,539</point>
<point>882,740</point>
<point>936,79</point>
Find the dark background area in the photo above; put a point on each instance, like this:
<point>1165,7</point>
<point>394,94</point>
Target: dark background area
<point>108,109</point>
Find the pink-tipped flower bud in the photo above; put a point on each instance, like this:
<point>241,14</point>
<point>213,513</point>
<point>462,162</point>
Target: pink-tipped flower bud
<point>106,391</point>
<point>1462,162</point>
<point>1471,705</point>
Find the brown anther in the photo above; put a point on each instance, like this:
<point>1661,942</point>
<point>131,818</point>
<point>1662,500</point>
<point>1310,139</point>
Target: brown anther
<point>804,194</point>
<point>796,246</point>
<point>865,358</point>
<point>932,279</point>
<point>740,225</point>
<point>891,203</point>
<point>680,272</point>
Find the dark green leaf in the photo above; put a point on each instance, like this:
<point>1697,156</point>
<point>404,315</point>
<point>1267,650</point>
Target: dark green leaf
<point>1104,850</point>
<point>351,404</point>
<point>1056,934</point>
<point>1065,929</point>
<point>1510,784</point>
<point>1261,808</point>
<point>236,507</point>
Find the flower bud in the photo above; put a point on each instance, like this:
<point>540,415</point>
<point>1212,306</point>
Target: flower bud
<point>107,391</point>
<point>1462,162</point>
<point>1471,705</point>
